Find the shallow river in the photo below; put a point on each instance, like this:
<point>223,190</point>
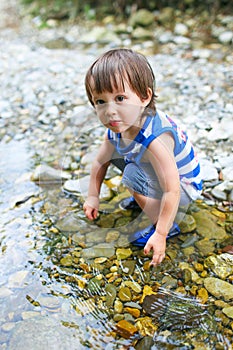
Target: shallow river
<point>69,284</point>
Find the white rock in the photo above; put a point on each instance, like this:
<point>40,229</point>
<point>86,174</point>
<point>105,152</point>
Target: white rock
<point>221,131</point>
<point>181,29</point>
<point>225,161</point>
<point>201,53</point>
<point>181,40</point>
<point>17,279</point>
<point>80,186</point>
<point>228,173</point>
<point>219,194</point>
<point>226,37</point>
<point>208,170</point>
<point>46,174</point>
<point>5,292</point>
<point>165,37</point>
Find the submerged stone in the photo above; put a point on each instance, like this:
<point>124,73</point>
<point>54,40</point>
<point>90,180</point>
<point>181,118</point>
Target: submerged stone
<point>94,286</point>
<point>125,329</point>
<point>221,265</point>
<point>79,187</point>
<point>134,286</point>
<point>219,288</point>
<point>188,224</point>
<point>44,333</point>
<point>203,295</point>
<point>111,293</point>
<point>205,246</point>
<point>207,226</point>
<point>123,253</point>
<point>66,261</point>
<point>99,250</point>
<point>228,311</point>
<point>124,294</point>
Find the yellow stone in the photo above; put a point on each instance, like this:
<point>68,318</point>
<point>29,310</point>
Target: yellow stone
<point>194,275</point>
<point>84,267</point>
<point>118,306</point>
<point>81,284</point>
<point>124,294</point>
<point>99,277</point>
<point>123,253</point>
<point>181,290</point>
<point>198,267</point>
<point>111,279</point>
<point>147,290</point>
<point>53,230</point>
<point>134,286</point>
<point>193,290</point>
<point>146,327</point>
<point>202,294</point>
<point>218,213</point>
<point>132,311</point>
<point>114,182</point>
<point>146,265</point>
<point>126,329</point>
<point>109,275</point>
<point>114,269</point>
<point>100,260</point>
<point>204,274</point>
<point>221,304</point>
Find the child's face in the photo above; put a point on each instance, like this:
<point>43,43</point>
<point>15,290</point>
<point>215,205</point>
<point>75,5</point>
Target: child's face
<point>121,109</point>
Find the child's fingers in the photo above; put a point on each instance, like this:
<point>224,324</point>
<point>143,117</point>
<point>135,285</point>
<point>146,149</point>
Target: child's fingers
<point>157,259</point>
<point>95,213</point>
<point>91,213</point>
<point>147,248</point>
<point>157,256</point>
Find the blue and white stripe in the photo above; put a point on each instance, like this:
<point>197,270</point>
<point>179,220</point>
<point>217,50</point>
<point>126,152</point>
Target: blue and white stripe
<point>185,156</point>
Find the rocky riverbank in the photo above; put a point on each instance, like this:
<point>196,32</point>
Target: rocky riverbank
<point>88,277</point>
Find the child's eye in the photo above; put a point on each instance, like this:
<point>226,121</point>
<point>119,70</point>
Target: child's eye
<point>99,102</point>
<point>120,98</point>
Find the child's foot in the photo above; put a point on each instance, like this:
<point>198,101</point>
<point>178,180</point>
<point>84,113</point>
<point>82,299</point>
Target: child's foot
<point>140,238</point>
<point>129,203</point>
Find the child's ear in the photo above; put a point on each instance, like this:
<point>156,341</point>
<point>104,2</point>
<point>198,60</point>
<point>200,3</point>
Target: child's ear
<point>149,96</point>
<point>149,93</point>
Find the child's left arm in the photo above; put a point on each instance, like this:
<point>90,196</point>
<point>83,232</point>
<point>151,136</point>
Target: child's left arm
<point>162,159</point>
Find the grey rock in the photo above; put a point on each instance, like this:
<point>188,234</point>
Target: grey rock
<point>46,174</point>
<point>51,335</point>
<point>99,250</point>
<point>219,288</point>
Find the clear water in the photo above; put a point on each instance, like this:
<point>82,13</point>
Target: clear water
<point>40,306</point>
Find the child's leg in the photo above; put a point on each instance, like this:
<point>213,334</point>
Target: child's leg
<point>150,206</point>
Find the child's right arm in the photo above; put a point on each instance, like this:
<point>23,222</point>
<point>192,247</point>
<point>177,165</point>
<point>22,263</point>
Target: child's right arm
<point>98,171</point>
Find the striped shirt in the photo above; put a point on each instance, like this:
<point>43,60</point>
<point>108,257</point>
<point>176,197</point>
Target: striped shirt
<point>185,156</point>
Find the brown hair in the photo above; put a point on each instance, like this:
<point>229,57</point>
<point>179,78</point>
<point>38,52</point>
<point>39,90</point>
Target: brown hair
<point>111,69</point>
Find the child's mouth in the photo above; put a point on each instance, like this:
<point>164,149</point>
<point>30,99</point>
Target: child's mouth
<point>114,123</point>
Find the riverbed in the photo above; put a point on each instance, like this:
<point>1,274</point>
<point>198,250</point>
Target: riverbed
<point>66,283</point>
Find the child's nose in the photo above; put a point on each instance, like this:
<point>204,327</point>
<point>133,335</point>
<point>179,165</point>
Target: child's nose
<point>110,108</point>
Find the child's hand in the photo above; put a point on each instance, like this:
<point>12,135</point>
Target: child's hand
<point>157,242</point>
<point>91,207</point>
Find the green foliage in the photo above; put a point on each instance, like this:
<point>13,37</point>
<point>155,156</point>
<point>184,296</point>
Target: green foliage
<point>92,9</point>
